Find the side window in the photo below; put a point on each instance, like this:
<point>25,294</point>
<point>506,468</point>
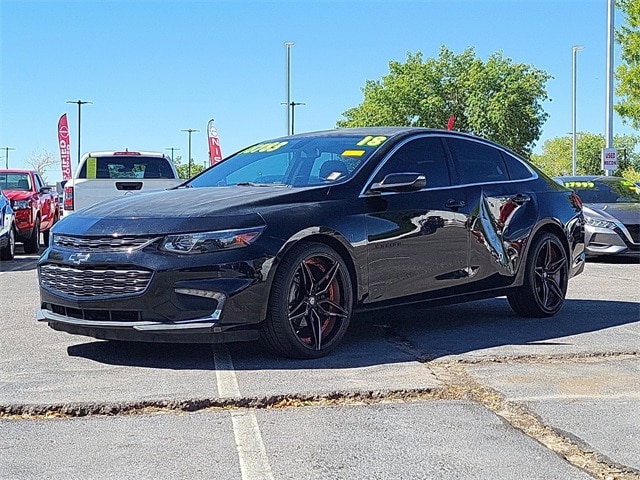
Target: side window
<point>423,155</point>
<point>39,183</point>
<point>517,169</point>
<point>477,162</point>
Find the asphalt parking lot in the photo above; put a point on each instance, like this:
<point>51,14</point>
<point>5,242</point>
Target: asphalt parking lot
<point>467,391</point>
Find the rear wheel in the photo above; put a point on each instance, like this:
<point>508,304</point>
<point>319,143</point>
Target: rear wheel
<point>8,252</point>
<point>310,303</point>
<point>545,285</point>
<point>32,244</point>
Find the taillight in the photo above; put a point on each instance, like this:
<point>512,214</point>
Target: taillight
<point>576,200</point>
<point>68,198</point>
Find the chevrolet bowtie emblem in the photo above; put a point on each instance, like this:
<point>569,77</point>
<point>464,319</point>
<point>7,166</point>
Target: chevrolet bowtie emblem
<point>78,258</point>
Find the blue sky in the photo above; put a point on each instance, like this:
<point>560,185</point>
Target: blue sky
<point>154,67</point>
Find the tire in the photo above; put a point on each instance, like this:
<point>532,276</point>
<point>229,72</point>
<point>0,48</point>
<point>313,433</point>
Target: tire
<point>47,233</point>
<point>545,284</point>
<point>8,252</point>
<point>310,303</point>
<point>32,244</point>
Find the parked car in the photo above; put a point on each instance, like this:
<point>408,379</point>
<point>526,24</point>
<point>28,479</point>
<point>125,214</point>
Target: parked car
<point>7,228</point>
<point>35,205</point>
<point>283,240</point>
<point>102,176</point>
<point>611,212</point>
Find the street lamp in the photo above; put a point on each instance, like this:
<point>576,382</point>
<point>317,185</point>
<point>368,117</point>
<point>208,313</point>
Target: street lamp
<point>288,46</point>
<point>80,103</point>
<point>575,50</point>
<point>190,131</point>
<point>172,149</point>
<point>6,156</point>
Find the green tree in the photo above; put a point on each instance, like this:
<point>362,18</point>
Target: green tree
<point>497,99</point>
<point>557,157</point>
<point>628,73</point>
<point>183,168</point>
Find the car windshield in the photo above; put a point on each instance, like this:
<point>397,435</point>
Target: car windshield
<point>599,191</point>
<point>15,181</point>
<point>293,162</point>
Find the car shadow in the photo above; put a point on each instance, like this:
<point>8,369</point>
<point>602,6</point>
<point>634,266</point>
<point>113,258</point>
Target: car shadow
<point>392,336</point>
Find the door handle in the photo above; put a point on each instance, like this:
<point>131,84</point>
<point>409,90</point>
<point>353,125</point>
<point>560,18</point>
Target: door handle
<point>455,204</point>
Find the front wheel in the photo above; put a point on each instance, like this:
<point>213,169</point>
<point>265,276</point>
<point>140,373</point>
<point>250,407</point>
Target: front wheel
<point>8,252</point>
<point>310,303</point>
<point>32,244</point>
<point>47,233</point>
<point>545,284</point>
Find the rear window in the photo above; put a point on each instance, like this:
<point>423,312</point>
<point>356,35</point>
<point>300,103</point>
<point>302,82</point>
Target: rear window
<point>126,167</point>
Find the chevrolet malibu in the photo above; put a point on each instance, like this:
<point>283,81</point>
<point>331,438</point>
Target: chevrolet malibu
<point>283,241</point>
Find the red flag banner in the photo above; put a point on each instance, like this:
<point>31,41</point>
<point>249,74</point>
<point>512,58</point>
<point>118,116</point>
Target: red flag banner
<point>65,150</point>
<point>215,154</point>
<point>450,123</point>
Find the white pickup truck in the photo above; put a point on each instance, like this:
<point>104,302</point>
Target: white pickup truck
<point>106,175</point>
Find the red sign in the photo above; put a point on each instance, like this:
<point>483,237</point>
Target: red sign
<point>452,120</point>
<point>215,154</point>
<point>64,144</point>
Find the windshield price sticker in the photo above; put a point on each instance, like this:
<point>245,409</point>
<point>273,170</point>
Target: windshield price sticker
<point>91,167</point>
<point>265,147</point>
<point>579,184</point>
<point>371,141</point>
<point>353,153</point>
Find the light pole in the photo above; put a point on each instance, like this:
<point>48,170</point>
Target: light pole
<point>6,156</point>
<point>610,45</point>
<point>575,50</point>
<point>80,103</point>
<point>293,121</point>
<point>288,46</point>
<point>172,149</point>
<point>190,131</point>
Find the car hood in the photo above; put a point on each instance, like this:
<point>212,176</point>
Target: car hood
<point>184,209</point>
<point>627,213</point>
<point>17,194</point>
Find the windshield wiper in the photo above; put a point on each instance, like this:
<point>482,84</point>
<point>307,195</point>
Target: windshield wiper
<point>254,184</point>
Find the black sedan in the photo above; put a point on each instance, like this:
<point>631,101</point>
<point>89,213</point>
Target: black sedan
<point>611,212</point>
<point>284,240</point>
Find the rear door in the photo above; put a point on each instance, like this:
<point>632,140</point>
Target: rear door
<point>502,206</point>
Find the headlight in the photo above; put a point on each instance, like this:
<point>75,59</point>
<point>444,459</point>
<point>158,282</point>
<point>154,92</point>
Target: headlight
<point>208,242</point>
<point>20,204</point>
<point>596,222</point>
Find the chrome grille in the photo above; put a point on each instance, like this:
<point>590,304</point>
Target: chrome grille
<point>127,243</point>
<point>108,282</point>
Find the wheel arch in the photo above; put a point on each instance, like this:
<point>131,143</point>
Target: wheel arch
<point>549,226</point>
<point>330,238</point>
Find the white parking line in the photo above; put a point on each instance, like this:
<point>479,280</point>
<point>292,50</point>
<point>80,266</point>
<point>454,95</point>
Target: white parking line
<point>254,463</point>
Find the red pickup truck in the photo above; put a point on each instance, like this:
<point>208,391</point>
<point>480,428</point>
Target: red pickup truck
<point>35,205</point>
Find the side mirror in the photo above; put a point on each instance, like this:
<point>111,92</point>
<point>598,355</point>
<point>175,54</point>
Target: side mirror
<point>45,189</point>
<point>400,182</point>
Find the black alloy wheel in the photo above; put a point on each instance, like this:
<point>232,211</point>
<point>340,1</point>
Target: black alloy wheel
<point>310,303</point>
<point>546,278</point>
<point>32,244</point>
<point>8,252</point>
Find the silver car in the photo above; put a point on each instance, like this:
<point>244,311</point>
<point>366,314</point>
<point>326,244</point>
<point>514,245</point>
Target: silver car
<point>611,212</point>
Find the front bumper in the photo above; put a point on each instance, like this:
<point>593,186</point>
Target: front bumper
<point>600,241</point>
<point>199,330</point>
<point>146,296</point>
